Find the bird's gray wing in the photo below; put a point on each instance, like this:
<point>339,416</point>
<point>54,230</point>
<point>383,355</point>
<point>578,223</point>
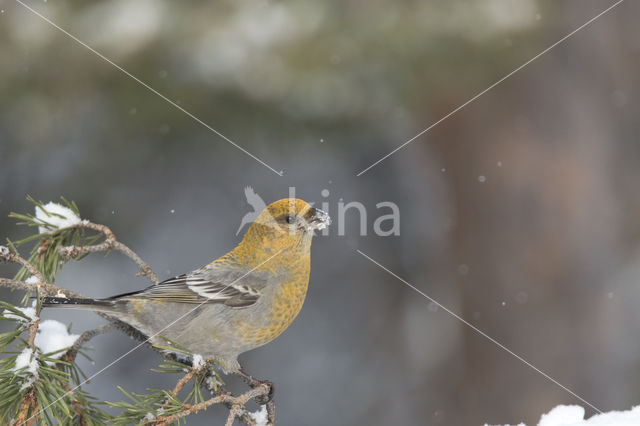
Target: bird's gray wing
<point>230,286</point>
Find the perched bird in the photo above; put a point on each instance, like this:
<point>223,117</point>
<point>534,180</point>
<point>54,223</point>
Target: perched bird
<point>236,303</point>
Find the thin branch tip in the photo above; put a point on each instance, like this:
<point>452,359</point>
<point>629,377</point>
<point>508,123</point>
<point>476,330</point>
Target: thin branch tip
<point>110,243</point>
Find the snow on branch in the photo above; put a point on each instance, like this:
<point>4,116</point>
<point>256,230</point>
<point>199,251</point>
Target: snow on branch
<point>54,217</point>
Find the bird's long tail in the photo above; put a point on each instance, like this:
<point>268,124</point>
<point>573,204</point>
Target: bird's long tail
<point>102,305</point>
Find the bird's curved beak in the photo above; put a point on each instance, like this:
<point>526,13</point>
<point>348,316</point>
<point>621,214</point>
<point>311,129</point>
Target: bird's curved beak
<point>318,219</point>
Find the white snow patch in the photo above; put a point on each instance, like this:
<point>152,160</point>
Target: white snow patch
<point>32,279</point>
<point>573,415</point>
<point>519,424</point>
<point>53,336</point>
<point>617,418</point>
<point>50,218</point>
<point>149,417</point>
<point>260,416</point>
<point>563,415</point>
<point>210,383</point>
<point>198,361</point>
<point>26,360</point>
<point>27,383</point>
<point>28,311</point>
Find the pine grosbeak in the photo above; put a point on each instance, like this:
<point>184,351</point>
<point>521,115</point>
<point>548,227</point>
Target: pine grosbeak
<point>236,303</point>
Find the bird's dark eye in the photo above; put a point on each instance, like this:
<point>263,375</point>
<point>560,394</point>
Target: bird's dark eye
<point>289,219</point>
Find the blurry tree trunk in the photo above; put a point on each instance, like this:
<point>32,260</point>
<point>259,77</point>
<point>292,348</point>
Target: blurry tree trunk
<point>535,287</point>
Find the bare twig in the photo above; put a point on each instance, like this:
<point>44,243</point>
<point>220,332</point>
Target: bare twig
<point>70,356</point>
<point>271,413</point>
<point>9,255</point>
<point>110,243</point>
<point>46,289</point>
<point>33,330</point>
<point>253,382</point>
<point>72,352</point>
<point>28,401</point>
<point>233,413</point>
<point>193,371</point>
<point>76,406</point>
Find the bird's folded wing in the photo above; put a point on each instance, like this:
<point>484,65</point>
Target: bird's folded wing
<point>227,286</point>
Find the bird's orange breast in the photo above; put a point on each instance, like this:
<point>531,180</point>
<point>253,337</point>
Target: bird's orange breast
<point>285,305</point>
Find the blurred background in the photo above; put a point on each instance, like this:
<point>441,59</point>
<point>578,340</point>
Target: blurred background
<point>521,212</point>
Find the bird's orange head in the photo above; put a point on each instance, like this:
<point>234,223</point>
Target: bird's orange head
<point>286,225</point>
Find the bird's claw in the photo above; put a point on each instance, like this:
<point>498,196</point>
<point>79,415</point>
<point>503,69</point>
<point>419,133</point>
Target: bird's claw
<point>254,383</point>
<point>265,399</point>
